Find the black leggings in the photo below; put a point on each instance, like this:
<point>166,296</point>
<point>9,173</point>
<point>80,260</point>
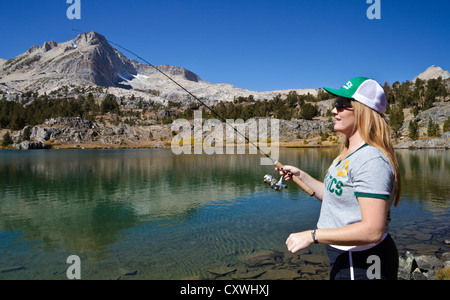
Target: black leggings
<point>379,262</point>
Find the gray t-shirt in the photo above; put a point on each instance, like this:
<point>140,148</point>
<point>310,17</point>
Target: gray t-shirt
<point>367,172</point>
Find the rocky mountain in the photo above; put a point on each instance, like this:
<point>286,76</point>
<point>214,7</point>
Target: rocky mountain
<point>433,72</point>
<point>89,59</point>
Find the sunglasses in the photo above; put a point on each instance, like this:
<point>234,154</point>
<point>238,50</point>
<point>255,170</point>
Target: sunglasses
<point>340,106</point>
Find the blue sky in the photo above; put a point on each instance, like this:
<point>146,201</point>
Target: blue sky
<point>253,44</point>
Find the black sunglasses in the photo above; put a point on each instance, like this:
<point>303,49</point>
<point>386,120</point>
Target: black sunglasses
<point>340,106</point>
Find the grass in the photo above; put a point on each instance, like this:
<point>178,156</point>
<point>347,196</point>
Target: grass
<point>443,274</point>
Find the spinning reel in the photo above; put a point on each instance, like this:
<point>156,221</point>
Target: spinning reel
<point>273,183</point>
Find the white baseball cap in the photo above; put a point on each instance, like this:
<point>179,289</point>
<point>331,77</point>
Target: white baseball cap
<point>364,90</point>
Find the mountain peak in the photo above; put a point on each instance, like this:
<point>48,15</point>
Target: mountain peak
<point>433,72</point>
<point>91,38</point>
<point>89,60</point>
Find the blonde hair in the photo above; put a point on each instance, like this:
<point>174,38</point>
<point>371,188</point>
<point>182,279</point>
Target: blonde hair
<point>375,131</point>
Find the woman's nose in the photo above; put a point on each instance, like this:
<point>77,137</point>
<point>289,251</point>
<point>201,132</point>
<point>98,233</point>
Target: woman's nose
<point>334,111</point>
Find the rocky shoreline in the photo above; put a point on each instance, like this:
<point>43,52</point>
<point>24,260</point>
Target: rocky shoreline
<point>424,254</point>
<point>424,267</point>
<point>77,133</point>
<point>277,265</point>
<point>442,142</point>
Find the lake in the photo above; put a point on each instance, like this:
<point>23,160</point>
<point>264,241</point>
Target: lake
<point>150,214</point>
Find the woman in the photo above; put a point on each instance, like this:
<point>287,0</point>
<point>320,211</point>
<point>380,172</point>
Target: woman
<point>358,190</point>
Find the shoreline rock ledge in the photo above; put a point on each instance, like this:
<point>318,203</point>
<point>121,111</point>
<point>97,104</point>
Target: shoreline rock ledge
<point>442,142</point>
<point>422,267</point>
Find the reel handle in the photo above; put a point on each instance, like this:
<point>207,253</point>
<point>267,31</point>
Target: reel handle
<point>300,183</point>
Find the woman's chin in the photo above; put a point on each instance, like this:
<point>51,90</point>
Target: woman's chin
<point>337,127</point>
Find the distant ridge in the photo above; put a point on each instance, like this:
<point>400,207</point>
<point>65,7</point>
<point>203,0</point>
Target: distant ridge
<point>433,72</point>
<point>90,60</point>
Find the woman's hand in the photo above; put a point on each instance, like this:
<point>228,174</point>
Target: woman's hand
<point>288,171</point>
<point>299,241</point>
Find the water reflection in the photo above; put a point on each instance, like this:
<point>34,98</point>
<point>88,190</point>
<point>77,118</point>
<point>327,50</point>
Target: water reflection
<point>128,207</point>
<point>84,199</point>
<point>425,176</point>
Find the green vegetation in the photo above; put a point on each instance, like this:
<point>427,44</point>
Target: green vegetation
<point>417,96</point>
<point>109,104</point>
<point>396,119</point>
<point>443,274</point>
<point>70,101</point>
<point>294,106</point>
<point>421,94</point>
<point>447,125</point>
<point>433,129</point>
<point>413,130</point>
<point>14,116</point>
<point>7,140</point>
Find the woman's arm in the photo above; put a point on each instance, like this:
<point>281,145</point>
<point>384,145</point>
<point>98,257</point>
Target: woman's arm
<point>314,184</point>
<point>368,231</point>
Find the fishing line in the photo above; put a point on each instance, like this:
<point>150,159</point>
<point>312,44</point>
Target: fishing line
<point>190,94</point>
<point>272,183</point>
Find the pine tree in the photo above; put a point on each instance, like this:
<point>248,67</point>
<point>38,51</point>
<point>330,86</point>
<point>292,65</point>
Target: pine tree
<point>396,119</point>
<point>433,129</point>
<point>309,111</point>
<point>413,130</point>
<point>26,133</point>
<point>7,140</point>
<point>447,125</point>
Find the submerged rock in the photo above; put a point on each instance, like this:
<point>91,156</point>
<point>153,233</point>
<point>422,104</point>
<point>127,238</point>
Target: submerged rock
<point>263,258</point>
<point>222,271</point>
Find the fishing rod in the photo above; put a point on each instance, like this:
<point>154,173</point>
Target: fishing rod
<point>268,179</point>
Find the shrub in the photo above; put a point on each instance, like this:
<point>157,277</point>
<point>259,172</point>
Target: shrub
<point>7,140</point>
<point>309,111</point>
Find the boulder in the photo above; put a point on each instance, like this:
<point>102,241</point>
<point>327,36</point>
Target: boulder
<point>40,134</point>
<point>27,145</point>
<point>406,266</point>
<point>422,267</point>
<point>428,263</point>
<point>417,275</point>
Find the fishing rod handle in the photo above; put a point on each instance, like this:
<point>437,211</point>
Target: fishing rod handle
<point>297,180</point>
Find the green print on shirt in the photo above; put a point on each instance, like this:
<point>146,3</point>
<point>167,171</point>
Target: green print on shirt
<point>334,186</point>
